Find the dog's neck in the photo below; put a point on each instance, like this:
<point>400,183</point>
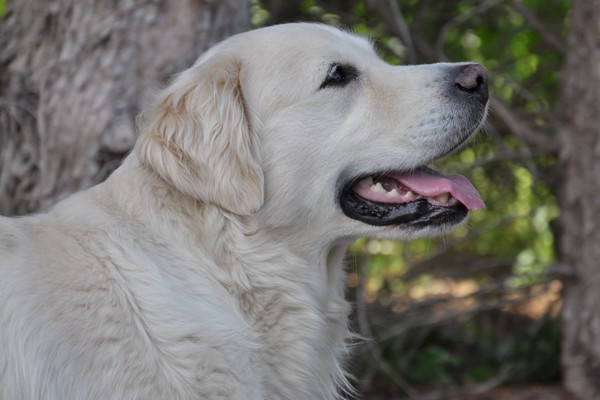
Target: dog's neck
<point>275,282</point>
<point>163,206</point>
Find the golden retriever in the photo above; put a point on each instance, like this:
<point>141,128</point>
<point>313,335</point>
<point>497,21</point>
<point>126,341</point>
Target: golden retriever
<point>210,264</point>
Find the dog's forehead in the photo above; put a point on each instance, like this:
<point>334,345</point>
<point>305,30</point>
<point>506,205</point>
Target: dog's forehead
<point>307,38</point>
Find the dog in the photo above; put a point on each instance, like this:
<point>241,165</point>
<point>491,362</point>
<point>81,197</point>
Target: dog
<point>209,265</point>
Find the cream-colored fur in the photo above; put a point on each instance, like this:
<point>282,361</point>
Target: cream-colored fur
<point>210,264</point>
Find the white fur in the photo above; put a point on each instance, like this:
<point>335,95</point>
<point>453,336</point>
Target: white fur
<point>209,265</point>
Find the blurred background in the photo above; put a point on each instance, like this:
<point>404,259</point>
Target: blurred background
<point>505,307</point>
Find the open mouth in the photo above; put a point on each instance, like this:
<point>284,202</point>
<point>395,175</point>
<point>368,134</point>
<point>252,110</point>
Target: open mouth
<point>419,198</point>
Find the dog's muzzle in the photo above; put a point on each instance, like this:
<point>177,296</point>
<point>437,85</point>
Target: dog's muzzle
<point>423,197</point>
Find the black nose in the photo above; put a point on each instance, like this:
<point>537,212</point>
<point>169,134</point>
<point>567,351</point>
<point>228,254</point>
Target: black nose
<point>472,80</point>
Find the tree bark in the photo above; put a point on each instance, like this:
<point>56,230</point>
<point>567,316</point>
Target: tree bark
<point>579,240</point>
<point>75,73</point>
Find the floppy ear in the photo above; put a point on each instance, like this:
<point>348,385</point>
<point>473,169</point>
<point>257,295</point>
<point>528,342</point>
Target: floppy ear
<point>198,138</point>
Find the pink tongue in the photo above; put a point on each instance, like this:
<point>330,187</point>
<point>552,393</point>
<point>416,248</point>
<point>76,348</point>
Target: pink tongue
<point>430,183</point>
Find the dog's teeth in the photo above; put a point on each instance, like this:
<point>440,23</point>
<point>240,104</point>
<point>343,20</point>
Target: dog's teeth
<point>442,198</point>
<point>368,181</point>
<point>392,193</point>
<point>377,188</point>
<point>453,201</point>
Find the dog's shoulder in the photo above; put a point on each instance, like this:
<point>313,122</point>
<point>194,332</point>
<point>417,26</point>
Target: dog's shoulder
<point>94,292</point>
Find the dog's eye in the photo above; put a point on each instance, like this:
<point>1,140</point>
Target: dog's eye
<point>336,75</point>
<point>339,75</point>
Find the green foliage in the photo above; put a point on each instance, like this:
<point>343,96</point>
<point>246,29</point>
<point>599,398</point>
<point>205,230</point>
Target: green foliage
<point>258,14</point>
<point>435,365</point>
<point>2,7</point>
<point>478,349</point>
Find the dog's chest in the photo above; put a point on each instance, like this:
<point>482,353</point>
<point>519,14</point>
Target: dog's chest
<point>301,339</point>
<point>272,333</point>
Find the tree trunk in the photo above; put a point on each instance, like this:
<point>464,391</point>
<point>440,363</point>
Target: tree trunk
<point>75,73</point>
<point>579,241</point>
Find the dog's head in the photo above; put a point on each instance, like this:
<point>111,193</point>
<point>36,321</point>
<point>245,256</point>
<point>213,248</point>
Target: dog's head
<point>305,128</point>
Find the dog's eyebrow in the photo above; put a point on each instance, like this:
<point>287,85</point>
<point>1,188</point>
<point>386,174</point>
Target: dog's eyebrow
<point>339,75</point>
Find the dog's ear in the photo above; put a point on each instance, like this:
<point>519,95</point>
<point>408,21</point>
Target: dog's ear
<point>198,138</point>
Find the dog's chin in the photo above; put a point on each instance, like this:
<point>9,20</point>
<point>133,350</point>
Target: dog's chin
<point>416,214</point>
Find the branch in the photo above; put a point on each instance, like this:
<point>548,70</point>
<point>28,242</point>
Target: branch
<point>536,24</point>
<point>392,15</point>
<point>454,22</point>
<point>480,388</point>
<point>517,155</point>
<point>423,317</point>
<point>521,128</point>
<point>366,331</point>
<point>530,97</point>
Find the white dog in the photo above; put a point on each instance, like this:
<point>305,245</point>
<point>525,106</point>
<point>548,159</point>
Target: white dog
<point>209,265</point>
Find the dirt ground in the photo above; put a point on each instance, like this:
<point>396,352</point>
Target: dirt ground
<point>525,392</point>
<point>516,392</point>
